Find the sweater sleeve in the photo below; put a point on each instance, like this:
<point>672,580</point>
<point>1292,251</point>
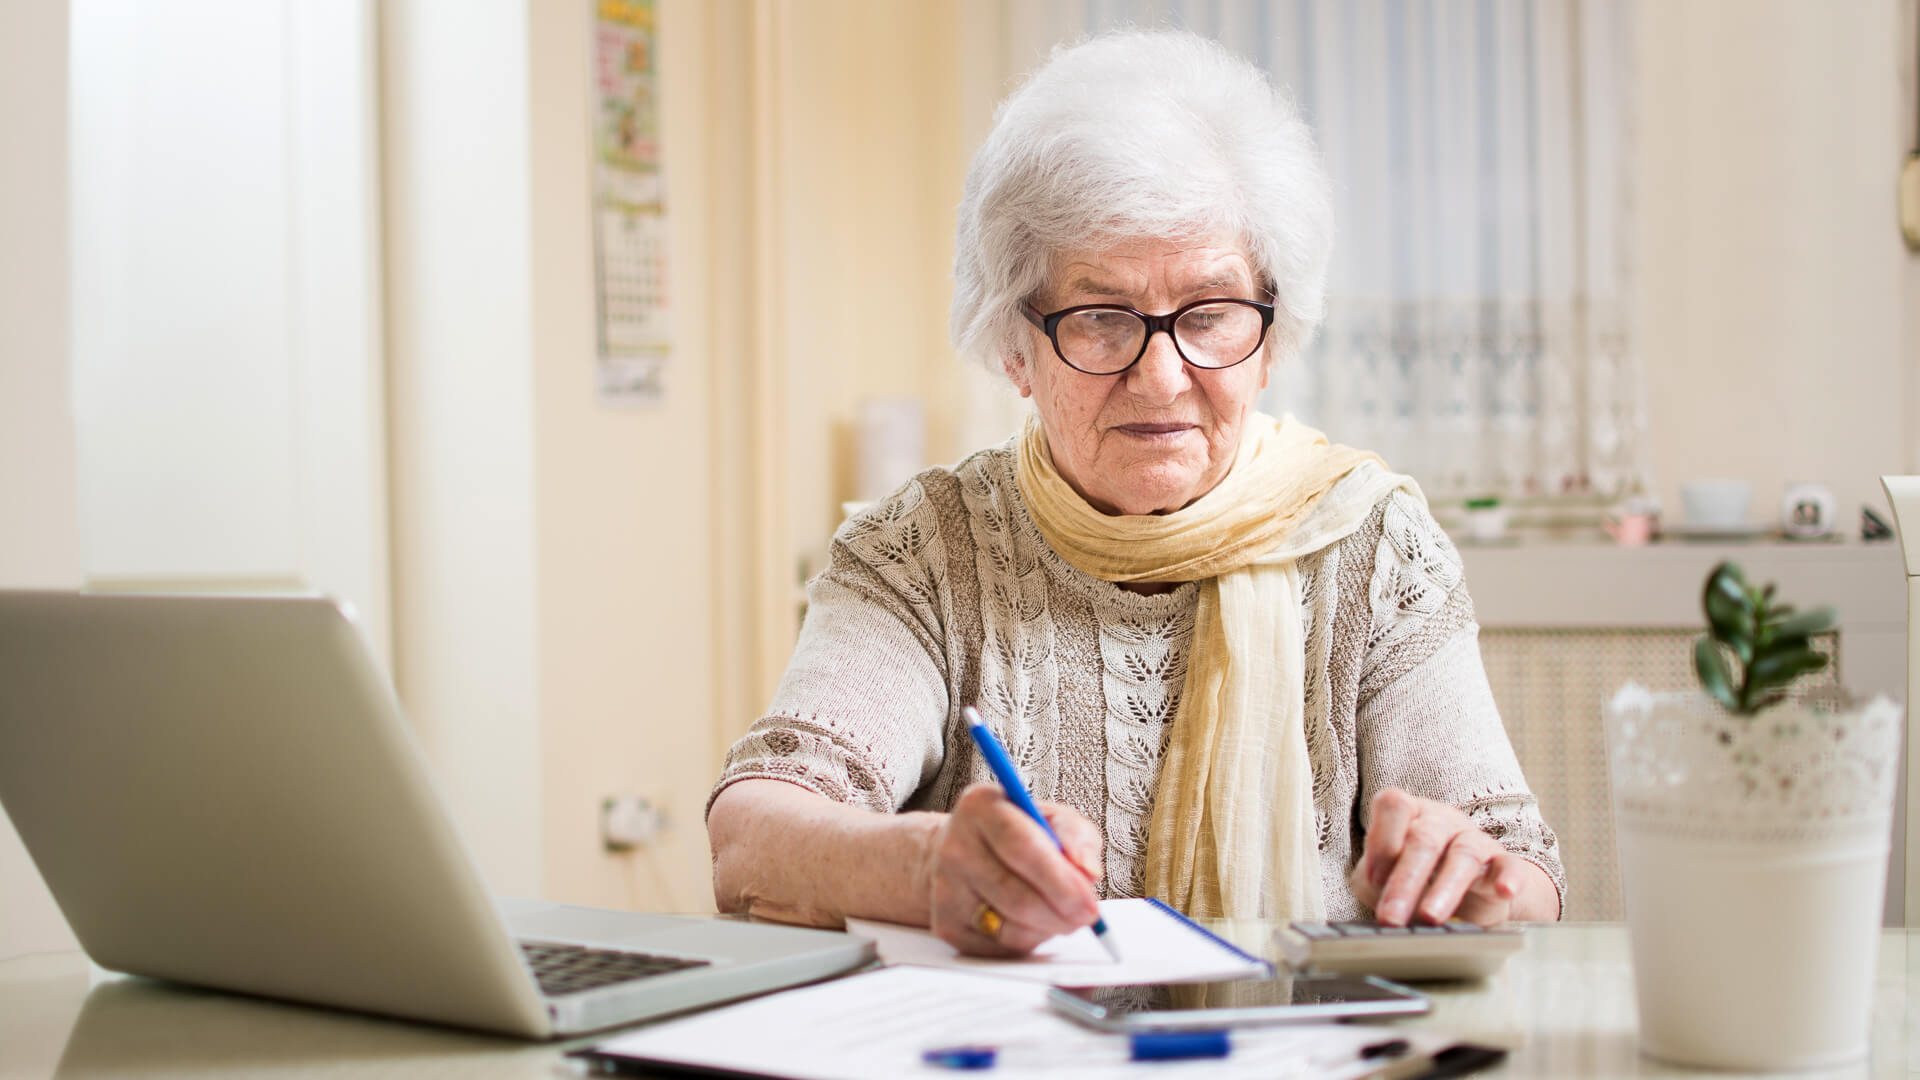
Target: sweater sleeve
<point>1426,719</point>
<point>860,711</point>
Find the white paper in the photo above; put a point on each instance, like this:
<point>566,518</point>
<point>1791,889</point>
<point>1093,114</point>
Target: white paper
<point>1154,947</point>
<point>878,1024</point>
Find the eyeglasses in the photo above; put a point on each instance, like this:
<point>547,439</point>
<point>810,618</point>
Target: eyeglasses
<point>1107,339</point>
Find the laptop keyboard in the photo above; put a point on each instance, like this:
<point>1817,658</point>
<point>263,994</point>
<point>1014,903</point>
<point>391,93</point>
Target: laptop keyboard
<point>570,969</point>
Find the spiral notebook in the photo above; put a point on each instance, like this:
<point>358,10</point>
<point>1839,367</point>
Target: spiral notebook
<point>1157,944</point>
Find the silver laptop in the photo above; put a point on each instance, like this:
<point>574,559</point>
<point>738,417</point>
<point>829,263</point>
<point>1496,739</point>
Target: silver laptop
<point>222,791</point>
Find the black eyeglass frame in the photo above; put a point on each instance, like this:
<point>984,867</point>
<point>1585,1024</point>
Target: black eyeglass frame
<point>1049,325</point>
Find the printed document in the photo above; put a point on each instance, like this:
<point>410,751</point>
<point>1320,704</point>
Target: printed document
<point>876,1025</point>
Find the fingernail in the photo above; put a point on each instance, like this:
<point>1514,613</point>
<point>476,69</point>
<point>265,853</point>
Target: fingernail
<point>1395,912</point>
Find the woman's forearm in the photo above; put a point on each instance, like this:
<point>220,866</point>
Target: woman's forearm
<point>783,852</point>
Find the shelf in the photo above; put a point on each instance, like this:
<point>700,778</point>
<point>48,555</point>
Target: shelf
<point>1597,585</point>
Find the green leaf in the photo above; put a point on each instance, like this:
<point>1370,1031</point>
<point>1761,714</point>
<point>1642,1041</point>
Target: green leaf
<point>1727,579</point>
<point>1726,613</point>
<point>1712,669</point>
<point>1806,624</point>
<point>1780,668</point>
<point>1786,645</point>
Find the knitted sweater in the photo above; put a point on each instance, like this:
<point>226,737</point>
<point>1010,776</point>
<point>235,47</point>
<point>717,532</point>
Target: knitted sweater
<point>945,594</point>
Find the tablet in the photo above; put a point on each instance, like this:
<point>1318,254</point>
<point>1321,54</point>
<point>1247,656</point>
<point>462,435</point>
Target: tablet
<point>1282,999</point>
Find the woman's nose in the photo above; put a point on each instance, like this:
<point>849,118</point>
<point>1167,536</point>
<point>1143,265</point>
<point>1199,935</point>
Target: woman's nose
<point>1160,375</point>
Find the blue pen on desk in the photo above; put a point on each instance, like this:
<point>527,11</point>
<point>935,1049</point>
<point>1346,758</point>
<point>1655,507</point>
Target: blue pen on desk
<point>1016,790</point>
<point>1141,1046</point>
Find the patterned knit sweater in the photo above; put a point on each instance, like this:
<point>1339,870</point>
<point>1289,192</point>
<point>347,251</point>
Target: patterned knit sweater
<point>945,594</point>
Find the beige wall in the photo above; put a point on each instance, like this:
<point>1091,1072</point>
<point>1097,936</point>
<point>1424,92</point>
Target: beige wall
<point>624,501</point>
<point>1779,338</point>
<point>40,541</point>
<point>1907,91</point>
<point>576,602</point>
<point>872,159</point>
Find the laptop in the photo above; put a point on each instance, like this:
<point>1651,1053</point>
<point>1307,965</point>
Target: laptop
<point>222,791</point>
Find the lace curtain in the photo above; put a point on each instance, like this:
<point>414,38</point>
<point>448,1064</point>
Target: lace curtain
<point>1479,332</point>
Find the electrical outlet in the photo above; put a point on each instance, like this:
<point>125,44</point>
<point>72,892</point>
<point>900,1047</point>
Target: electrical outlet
<point>628,822</point>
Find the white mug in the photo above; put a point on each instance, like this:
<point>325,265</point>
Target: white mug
<point>1716,504</point>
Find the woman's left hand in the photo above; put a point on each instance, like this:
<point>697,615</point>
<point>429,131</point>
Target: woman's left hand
<point>1426,860</point>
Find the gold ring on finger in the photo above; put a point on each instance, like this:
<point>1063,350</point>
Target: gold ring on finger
<point>988,921</point>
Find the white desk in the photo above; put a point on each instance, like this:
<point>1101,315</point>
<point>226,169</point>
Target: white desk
<point>1565,1005</point>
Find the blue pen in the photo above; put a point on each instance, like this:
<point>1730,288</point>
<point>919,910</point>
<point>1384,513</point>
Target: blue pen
<point>1009,778</point>
<point>1141,1046</point>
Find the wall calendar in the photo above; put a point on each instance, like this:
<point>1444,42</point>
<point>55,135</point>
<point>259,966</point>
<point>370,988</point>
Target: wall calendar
<point>629,206</point>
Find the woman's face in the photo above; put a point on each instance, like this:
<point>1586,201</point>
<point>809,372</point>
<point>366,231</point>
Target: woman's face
<point>1161,434</point>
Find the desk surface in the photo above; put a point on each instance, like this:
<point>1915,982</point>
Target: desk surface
<point>1565,1004</point>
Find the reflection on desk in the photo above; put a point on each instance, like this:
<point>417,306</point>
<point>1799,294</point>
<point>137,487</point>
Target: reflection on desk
<point>1565,1006</point>
<point>127,1026</point>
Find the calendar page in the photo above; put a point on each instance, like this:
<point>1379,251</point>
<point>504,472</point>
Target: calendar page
<point>630,207</point>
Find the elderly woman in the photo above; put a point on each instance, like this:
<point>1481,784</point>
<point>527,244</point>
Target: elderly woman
<point>1236,662</point>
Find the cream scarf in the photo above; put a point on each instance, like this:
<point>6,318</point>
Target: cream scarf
<point>1232,833</point>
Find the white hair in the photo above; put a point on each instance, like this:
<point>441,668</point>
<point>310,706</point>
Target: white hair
<point>1135,135</point>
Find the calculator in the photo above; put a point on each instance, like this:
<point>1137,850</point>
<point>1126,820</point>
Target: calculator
<point>1451,950</point>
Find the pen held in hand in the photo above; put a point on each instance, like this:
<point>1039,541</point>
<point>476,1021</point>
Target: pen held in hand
<point>1010,782</point>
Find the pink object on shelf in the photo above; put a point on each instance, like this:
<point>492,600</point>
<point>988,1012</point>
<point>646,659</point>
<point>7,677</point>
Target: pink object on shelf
<point>1630,530</point>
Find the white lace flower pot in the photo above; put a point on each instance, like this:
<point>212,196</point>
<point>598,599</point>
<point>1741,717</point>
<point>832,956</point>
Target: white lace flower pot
<point>1753,852</point>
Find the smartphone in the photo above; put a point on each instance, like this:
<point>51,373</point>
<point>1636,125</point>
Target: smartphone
<point>1281,999</point>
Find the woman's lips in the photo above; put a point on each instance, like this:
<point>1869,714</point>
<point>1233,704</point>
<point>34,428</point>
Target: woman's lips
<point>1154,432</point>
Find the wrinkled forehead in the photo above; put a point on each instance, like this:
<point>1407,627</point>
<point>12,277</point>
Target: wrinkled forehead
<point>1130,266</point>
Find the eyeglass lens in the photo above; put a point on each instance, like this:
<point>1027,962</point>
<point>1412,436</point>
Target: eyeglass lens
<point>1105,340</point>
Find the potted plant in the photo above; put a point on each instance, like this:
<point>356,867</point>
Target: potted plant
<point>1486,518</point>
<point>1752,817</point>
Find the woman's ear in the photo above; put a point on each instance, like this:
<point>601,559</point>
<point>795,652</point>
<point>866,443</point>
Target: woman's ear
<point>1015,366</point>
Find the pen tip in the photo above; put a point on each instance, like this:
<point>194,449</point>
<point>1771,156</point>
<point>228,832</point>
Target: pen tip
<point>1112,949</point>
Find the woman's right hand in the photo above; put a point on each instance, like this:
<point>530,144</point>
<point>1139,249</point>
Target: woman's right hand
<point>988,851</point>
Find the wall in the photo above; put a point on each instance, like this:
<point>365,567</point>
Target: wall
<point>460,415</point>
<point>1907,92</point>
<point>872,158</point>
<point>883,106</point>
<point>623,496</point>
<point>571,619</point>
<point>1778,300</point>
<point>40,543</point>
